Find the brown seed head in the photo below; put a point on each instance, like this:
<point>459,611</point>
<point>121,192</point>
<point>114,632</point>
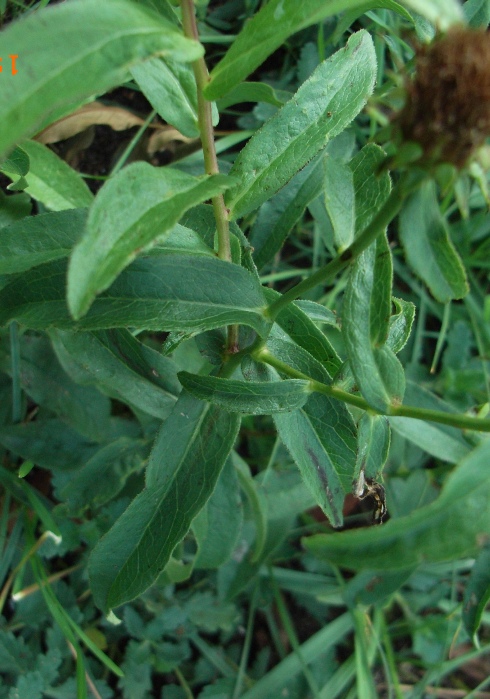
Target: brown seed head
<point>448,103</point>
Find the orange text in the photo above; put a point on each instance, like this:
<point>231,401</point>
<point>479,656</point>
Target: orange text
<point>13,64</point>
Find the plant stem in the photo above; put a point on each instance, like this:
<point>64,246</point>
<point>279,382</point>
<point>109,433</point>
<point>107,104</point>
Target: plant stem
<point>205,117</point>
<point>452,419</point>
<point>207,132</point>
<point>386,214</point>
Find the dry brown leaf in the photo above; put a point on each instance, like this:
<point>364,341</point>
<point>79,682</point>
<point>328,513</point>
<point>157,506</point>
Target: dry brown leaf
<point>160,140</point>
<point>117,118</point>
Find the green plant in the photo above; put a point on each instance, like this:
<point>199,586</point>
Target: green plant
<point>190,416</point>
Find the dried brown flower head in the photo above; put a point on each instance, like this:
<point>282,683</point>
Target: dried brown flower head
<point>447,111</point>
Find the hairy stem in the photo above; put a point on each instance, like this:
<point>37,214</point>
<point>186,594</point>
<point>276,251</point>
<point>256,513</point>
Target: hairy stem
<point>206,130</point>
<point>464,422</point>
<point>209,149</point>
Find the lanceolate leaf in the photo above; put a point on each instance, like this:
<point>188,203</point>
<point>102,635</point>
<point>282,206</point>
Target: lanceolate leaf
<point>121,366</point>
<point>320,436</point>
<point>181,240</point>
<point>38,239</point>
<point>373,439</point>
<point>365,324</point>
<point>218,525</point>
<point>105,474</point>
<point>270,27</point>
<point>322,107</point>
<point>50,444</point>
<point>44,380</point>
<point>257,501</point>
<point>184,465</point>
<point>170,87</point>
<point>456,524</point>
<point>254,92</point>
<point>91,46</point>
<point>297,357</point>
<point>303,331</point>
<point>339,199</point>
<point>276,218</point>
<point>321,439</point>
<point>176,292</point>
<point>371,186</point>
<point>251,397</point>
<point>132,209</point>
<point>428,248</point>
<point>54,183</point>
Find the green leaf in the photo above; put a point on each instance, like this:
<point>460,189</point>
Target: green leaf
<point>365,325</point>
<point>25,469</point>
<point>339,196</point>
<point>170,87</point>
<point>321,439</point>
<point>54,183</point>
<point>320,436</point>
<point>92,45</point>
<point>120,366</point>
<point>211,614</point>
<point>428,248</point>
<point>137,667</point>
<point>456,524</point>
<point>380,302</point>
<point>322,107</point>
<point>278,681</point>
<point>181,240</point>
<point>442,13</point>
<point>297,357</point>
<point>277,217</point>
<point>186,460</point>
<point>28,686</point>
<point>316,312</point>
<point>16,164</point>
<point>372,587</point>
<point>201,219</point>
<point>371,187</point>
<point>254,398</point>
<point>218,525</point>
<point>373,439</point>
<point>14,207</point>
<point>443,442</point>
<point>268,30</point>
<point>477,593</point>
<point>38,239</point>
<point>477,13</point>
<point>244,571</point>
<point>303,331</point>
<point>154,200</point>
<point>175,292</point>
<point>257,501</point>
<point>43,379</point>
<point>347,19</point>
<point>50,444</point>
<point>400,324</point>
<point>41,511</point>
<point>254,92</point>
<point>104,474</point>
